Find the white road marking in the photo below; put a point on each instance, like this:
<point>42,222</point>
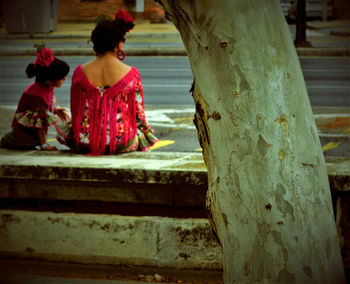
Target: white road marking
<point>172,125</point>
<point>330,115</point>
<point>160,118</point>
<point>167,85</point>
<point>333,135</point>
<point>166,69</point>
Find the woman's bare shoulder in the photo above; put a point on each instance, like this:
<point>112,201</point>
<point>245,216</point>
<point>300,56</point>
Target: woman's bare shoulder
<point>105,71</point>
<point>89,64</point>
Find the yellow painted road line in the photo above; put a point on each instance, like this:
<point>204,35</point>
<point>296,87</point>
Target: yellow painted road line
<point>162,143</point>
<point>330,145</point>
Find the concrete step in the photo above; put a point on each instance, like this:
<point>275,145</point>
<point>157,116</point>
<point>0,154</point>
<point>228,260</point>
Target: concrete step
<point>170,180</point>
<point>144,209</point>
<point>109,239</point>
<point>159,178</point>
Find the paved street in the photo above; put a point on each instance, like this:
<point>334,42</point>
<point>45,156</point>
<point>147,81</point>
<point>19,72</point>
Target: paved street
<point>170,107</point>
<point>167,80</point>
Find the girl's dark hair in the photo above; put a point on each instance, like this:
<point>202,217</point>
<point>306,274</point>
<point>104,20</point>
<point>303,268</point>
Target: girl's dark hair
<point>57,70</point>
<point>108,34</point>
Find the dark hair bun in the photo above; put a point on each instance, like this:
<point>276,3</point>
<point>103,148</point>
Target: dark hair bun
<point>30,70</point>
<point>109,33</point>
<point>124,19</point>
<point>106,36</point>
<point>124,26</point>
<point>57,70</point>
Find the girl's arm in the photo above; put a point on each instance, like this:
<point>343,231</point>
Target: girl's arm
<point>61,113</point>
<point>42,138</point>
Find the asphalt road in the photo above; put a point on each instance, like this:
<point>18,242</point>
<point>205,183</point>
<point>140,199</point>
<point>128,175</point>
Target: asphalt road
<point>170,107</point>
<point>167,80</point>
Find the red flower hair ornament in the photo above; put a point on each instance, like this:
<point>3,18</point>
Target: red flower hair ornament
<point>125,16</point>
<point>44,57</point>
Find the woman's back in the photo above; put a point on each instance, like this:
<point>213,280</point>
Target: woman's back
<point>105,71</point>
<point>107,98</point>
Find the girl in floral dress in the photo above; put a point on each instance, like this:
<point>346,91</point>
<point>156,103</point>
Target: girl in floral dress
<point>35,111</point>
<point>107,98</point>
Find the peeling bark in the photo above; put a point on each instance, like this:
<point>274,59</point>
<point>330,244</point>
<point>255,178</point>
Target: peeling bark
<point>268,195</point>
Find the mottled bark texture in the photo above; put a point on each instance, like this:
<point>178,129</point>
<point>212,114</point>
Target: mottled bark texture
<point>269,198</point>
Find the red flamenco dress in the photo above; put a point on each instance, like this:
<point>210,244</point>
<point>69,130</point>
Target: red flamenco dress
<point>34,111</point>
<point>106,120</point>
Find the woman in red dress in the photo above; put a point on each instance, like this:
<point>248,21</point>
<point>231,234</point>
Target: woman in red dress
<point>107,98</point>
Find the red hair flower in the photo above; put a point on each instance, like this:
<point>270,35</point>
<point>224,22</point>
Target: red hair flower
<point>124,15</point>
<point>44,57</point>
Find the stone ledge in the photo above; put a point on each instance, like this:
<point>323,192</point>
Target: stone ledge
<point>164,174</point>
<point>168,168</point>
<point>172,180</point>
<point>109,239</point>
<point>338,169</point>
<point>138,167</point>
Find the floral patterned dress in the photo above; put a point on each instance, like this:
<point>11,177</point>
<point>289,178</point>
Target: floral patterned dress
<point>34,111</point>
<point>107,120</point>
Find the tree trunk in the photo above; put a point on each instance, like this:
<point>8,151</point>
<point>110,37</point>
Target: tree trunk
<point>269,198</point>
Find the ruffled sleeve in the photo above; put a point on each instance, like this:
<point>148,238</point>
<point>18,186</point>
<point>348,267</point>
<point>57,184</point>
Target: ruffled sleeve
<point>36,118</point>
<point>145,132</point>
<point>33,111</point>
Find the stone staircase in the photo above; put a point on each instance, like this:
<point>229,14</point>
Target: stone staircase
<point>143,209</point>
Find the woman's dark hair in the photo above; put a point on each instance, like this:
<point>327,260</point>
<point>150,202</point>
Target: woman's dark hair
<point>108,34</point>
<point>57,70</point>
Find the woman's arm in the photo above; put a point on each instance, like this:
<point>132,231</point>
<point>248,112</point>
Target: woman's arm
<point>140,108</point>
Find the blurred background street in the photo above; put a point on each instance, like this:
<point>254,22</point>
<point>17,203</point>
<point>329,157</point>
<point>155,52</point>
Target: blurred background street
<point>170,107</point>
<point>155,47</point>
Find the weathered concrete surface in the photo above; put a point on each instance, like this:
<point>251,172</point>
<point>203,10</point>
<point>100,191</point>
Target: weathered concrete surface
<point>138,167</point>
<point>339,178</point>
<point>23,270</point>
<point>170,179</point>
<point>165,179</point>
<point>132,168</point>
<point>338,169</point>
<point>109,239</point>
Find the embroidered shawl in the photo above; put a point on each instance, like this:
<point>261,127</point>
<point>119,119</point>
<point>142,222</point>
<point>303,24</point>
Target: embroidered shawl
<point>103,107</point>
